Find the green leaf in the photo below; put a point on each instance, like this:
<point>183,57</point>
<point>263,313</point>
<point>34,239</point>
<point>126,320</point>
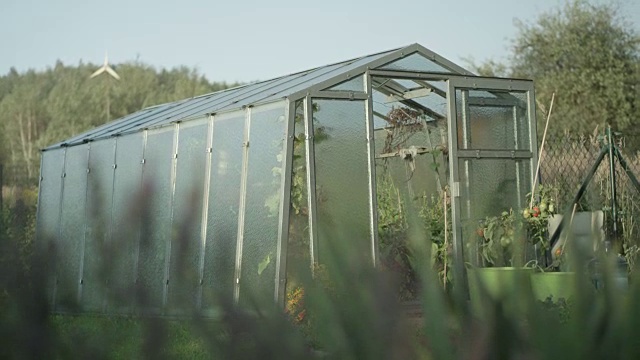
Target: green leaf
<point>264,263</point>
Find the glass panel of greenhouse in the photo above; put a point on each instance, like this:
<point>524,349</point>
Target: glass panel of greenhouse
<point>238,196</point>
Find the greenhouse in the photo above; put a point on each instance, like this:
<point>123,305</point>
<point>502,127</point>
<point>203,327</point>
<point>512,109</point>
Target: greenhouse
<point>180,205</point>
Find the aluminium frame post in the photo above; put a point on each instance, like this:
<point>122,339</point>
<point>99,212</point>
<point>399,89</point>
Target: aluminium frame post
<point>242,203</point>
<point>465,125</point>
<point>533,146</point>
<point>105,301</point>
<point>285,206</point>
<point>205,209</point>
<point>516,143</point>
<point>83,243</point>
<point>371,162</point>
<point>311,181</point>
<point>136,259</point>
<point>168,245</point>
<point>454,184</point>
<point>63,176</point>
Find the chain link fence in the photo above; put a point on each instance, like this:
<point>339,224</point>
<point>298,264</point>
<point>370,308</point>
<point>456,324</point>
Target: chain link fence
<point>566,161</point>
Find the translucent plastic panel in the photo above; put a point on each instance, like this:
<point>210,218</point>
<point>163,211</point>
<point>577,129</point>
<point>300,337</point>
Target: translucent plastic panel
<point>71,245</point>
<point>341,178</point>
<point>415,178</point>
<point>482,94</point>
<point>435,101</point>
<point>266,152</point>
<point>495,185</point>
<point>156,232</point>
<point>98,232</point>
<point>184,278</point>
<point>355,84</point>
<point>49,210</point>
<point>49,197</point>
<point>422,103</point>
<point>493,126</point>
<point>380,110</point>
<point>126,217</point>
<point>283,86</point>
<point>487,188</point>
<point>409,84</point>
<point>222,216</point>
<point>288,86</point>
<point>424,172</point>
<point>298,250</point>
<point>416,62</point>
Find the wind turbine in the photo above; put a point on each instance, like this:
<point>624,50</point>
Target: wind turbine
<point>109,70</point>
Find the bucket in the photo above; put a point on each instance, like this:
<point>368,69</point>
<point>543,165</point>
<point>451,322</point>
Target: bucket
<point>554,285</point>
<point>508,285</point>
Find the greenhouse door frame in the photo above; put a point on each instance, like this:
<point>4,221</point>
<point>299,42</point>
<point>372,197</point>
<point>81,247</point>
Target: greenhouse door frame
<point>459,152</point>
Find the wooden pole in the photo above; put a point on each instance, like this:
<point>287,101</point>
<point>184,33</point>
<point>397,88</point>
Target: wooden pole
<point>544,138</point>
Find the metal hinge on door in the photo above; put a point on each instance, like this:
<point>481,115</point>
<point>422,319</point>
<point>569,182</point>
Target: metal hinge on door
<point>455,190</point>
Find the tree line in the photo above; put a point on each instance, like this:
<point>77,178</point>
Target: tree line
<point>588,54</point>
<point>39,108</point>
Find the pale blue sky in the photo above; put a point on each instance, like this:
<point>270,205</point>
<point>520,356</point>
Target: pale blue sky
<point>257,39</point>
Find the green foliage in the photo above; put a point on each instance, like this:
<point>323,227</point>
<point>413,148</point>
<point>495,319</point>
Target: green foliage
<point>392,232</point>
<point>348,311</point>
<point>499,235</point>
<point>489,67</point>
<point>503,238</point>
<point>588,55</point>
<point>536,218</point>
<point>432,212</point>
<point>38,109</point>
<point>560,308</point>
<point>18,224</point>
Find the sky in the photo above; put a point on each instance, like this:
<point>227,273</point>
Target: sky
<point>258,39</point>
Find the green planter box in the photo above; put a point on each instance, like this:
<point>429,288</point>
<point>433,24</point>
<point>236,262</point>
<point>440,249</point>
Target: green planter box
<point>508,285</point>
<point>557,285</point>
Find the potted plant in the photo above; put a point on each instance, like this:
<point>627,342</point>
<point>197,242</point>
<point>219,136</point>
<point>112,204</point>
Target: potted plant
<point>550,283</point>
<point>506,242</point>
<point>504,274</point>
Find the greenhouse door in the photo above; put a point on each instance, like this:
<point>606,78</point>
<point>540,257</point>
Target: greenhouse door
<point>492,150</point>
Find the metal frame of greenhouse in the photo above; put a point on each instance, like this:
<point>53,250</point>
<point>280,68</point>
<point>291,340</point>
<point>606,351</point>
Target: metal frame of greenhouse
<point>235,181</point>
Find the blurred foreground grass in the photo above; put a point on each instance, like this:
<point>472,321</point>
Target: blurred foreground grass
<point>352,320</point>
<point>349,311</point>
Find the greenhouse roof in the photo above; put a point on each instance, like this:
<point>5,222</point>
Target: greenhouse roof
<point>294,86</point>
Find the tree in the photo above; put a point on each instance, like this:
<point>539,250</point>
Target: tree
<point>22,116</point>
<point>40,108</point>
<point>589,56</point>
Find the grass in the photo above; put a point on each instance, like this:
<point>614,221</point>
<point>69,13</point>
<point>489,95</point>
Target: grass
<point>352,311</point>
<point>127,338</point>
